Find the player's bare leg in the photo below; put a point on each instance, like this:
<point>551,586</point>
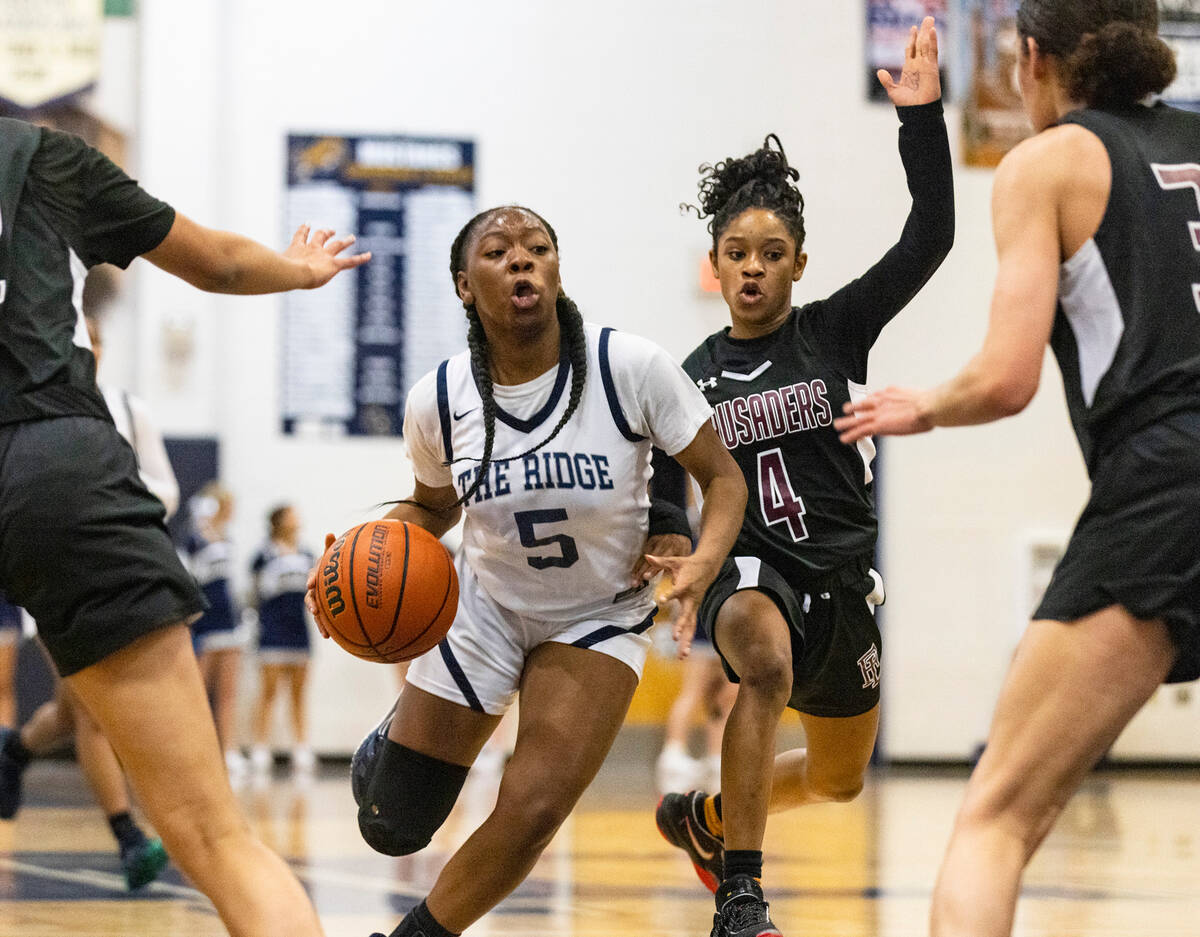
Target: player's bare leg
<point>1070,690</point>
<point>756,641</point>
<point>149,700</point>
<point>573,702</point>
<point>832,764</point>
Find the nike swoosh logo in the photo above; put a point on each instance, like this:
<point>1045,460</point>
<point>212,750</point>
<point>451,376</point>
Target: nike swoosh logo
<point>459,416</point>
<point>704,853</point>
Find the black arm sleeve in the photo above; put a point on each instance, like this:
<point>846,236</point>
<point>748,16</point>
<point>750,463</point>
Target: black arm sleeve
<point>104,215</point>
<point>668,518</point>
<point>668,497</point>
<point>854,316</point>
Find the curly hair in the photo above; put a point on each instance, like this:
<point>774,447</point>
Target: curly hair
<point>1110,49</point>
<point>762,179</point>
<point>570,320</point>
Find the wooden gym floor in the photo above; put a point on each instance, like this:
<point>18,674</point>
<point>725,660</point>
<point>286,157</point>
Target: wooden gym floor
<point>1124,860</point>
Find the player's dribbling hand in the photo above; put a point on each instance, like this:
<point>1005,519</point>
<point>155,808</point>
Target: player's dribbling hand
<point>896,411</point>
<point>690,578</point>
<point>310,593</point>
<point>659,545</point>
<point>320,254</point>
<point>919,80</point>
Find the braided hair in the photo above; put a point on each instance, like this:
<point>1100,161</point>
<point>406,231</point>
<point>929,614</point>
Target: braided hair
<point>574,339</point>
<point>762,179</point>
<point>1110,49</point>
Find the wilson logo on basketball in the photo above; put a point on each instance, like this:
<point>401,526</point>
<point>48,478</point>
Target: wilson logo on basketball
<point>375,566</point>
<point>333,592</point>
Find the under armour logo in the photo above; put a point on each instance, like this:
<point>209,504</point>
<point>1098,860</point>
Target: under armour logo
<point>707,383</point>
<point>868,666</point>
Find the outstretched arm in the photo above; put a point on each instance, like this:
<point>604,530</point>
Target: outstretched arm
<point>223,262</point>
<point>854,316</point>
<point>1003,377</point>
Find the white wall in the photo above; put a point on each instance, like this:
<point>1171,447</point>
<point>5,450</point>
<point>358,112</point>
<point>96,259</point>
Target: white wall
<point>598,118</point>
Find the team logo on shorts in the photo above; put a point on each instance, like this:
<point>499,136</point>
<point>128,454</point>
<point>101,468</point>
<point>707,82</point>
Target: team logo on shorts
<point>868,665</point>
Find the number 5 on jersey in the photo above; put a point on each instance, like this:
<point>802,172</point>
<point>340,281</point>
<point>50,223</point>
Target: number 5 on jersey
<point>779,502</point>
<point>569,552</point>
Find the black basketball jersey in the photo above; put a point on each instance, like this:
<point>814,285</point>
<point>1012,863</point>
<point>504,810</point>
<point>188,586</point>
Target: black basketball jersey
<point>811,506</point>
<point>1127,330</point>
<point>64,207</point>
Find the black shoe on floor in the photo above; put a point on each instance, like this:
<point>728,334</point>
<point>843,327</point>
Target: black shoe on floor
<point>742,910</point>
<point>680,819</point>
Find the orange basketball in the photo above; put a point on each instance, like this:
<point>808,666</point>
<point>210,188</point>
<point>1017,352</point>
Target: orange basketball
<point>387,590</point>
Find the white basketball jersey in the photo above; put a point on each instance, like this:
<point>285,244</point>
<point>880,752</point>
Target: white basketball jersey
<point>555,534</point>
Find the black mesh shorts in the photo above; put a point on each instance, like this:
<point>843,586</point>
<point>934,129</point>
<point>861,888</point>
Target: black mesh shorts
<point>1137,542</point>
<point>836,645</point>
<point>83,546</point>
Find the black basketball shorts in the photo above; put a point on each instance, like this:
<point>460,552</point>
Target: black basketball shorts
<point>836,645</point>
<point>1137,542</point>
<point>83,546</point>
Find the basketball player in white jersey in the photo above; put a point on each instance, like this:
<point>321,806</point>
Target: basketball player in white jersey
<point>541,434</point>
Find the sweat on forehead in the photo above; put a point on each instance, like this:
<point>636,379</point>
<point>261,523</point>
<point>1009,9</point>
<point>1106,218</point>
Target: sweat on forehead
<point>507,216</point>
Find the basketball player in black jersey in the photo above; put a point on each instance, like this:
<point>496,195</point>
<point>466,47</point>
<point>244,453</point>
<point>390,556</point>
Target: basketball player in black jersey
<point>1096,221</point>
<point>83,545</point>
<point>792,612</point>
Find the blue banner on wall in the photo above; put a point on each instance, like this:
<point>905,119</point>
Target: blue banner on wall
<point>353,348</point>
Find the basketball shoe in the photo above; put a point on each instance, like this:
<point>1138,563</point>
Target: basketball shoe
<point>362,765</point>
<point>142,862</point>
<point>680,819</point>
<point>742,910</point>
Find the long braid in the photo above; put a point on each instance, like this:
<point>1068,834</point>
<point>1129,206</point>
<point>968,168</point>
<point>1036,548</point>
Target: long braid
<point>570,322</point>
<point>478,345</point>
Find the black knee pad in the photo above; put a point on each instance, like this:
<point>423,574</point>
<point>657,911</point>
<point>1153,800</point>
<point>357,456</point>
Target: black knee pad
<point>409,796</point>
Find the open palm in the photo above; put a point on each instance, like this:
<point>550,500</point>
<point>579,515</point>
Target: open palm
<point>919,80</point>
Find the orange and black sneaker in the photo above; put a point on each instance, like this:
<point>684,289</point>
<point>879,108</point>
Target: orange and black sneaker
<point>741,910</point>
<point>681,820</point>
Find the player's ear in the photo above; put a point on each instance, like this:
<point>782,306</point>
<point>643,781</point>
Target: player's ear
<point>712,259</point>
<point>464,291</point>
<point>801,263</point>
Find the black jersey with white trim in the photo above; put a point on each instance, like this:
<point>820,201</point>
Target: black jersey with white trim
<point>811,507</point>
<point>1127,330</point>
<point>64,207</point>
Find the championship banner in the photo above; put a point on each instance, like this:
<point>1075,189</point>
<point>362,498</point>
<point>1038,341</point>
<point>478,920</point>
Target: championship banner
<point>352,349</point>
<point>49,50</point>
<point>888,26</point>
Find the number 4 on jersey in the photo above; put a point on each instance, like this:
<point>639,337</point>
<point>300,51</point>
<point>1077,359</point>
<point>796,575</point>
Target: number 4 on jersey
<point>779,503</point>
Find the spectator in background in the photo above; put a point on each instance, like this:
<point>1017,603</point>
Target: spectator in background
<point>215,634</point>
<point>280,571</point>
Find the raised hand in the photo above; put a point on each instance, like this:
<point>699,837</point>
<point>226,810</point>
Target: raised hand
<point>320,254</point>
<point>919,80</point>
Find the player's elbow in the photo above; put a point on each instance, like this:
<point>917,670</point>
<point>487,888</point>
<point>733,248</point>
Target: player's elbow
<point>220,273</point>
<point>1009,394</point>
